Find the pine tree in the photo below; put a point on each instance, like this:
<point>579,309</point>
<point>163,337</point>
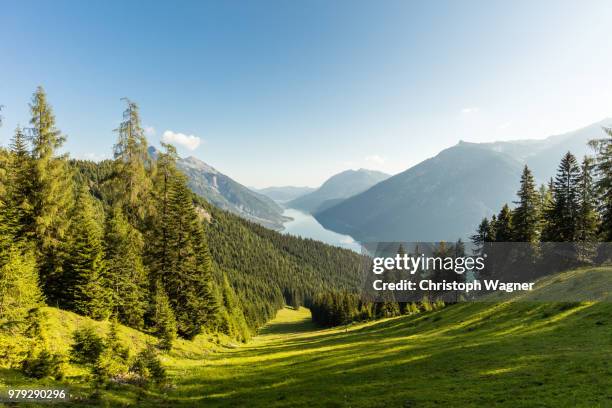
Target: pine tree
<point>188,280</point>
<point>526,217</point>
<point>587,220</point>
<point>86,291</point>
<point>132,184</point>
<point>603,170</point>
<point>484,233</point>
<point>562,216</point>
<point>503,226</point>
<point>52,194</point>
<point>19,287</point>
<point>158,251</point>
<point>125,273</point>
<point>163,319</point>
<point>19,186</point>
<point>179,253</point>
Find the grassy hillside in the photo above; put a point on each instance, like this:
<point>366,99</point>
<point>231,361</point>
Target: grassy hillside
<point>482,354</point>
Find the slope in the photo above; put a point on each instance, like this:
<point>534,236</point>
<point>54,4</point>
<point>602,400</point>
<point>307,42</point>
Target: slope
<point>442,198</point>
<point>480,354</point>
<point>445,197</point>
<point>226,193</point>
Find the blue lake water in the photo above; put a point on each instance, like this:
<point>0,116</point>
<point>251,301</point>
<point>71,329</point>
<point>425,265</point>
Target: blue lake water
<point>306,226</point>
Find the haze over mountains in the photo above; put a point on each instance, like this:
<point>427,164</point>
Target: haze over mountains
<point>284,193</point>
<point>337,188</point>
<point>445,197</point>
<point>223,192</point>
<point>441,198</point>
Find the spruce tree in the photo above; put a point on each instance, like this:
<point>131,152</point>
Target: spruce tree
<point>132,184</point>
<point>587,219</point>
<point>503,227</point>
<point>526,217</point>
<point>19,186</point>
<point>562,216</point>
<point>52,194</point>
<point>125,273</point>
<point>86,291</point>
<point>19,287</point>
<point>603,185</point>
<point>188,281</point>
<point>164,323</point>
<point>179,255</point>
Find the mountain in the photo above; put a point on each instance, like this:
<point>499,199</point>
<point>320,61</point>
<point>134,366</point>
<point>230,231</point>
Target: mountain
<point>445,197</point>
<point>336,189</point>
<point>223,192</point>
<point>285,193</point>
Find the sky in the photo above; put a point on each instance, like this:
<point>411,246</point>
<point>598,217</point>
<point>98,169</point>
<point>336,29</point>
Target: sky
<point>292,92</point>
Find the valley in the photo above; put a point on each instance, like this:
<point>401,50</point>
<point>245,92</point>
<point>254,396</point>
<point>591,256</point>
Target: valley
<point>505,354</point>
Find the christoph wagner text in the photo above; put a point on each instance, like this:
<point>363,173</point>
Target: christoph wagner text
<point>489,285</point>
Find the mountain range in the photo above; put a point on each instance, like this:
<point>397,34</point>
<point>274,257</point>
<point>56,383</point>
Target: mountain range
<point>223,192</point>
<point>445,197</point>
<point>284,193</point>
<point>336,189</point>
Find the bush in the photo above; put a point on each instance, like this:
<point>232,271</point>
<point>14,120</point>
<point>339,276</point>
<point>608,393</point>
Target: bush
<point>147,367</point>
<point>112,363</point>
<point>42,363</point>
<point>86,346</point>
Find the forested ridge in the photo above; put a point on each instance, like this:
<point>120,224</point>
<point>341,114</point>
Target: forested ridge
<point>126,240</point>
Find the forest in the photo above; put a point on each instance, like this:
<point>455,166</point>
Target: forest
<point>125,240</point>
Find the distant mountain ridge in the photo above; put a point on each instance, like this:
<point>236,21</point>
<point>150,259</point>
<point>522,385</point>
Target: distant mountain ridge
<point>223,192</point>
<point>445,197</point>
<point>337,188</point>
<point>284,193</point>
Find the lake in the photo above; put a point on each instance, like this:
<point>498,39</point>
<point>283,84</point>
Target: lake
<point>306,226</point>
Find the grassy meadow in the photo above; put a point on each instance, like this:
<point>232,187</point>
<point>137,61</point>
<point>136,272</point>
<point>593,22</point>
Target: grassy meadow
<point>506,354</point>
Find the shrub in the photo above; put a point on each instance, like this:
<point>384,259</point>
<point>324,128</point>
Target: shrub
<point>112,363</point>
<point>41,363</point>
<point>86,346</point>
<point>148,367</point>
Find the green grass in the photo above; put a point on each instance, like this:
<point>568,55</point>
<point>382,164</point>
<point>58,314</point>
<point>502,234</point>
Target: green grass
<point>506,354</point>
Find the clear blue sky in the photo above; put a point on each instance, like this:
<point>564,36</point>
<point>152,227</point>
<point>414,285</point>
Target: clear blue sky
<point>291,92</point>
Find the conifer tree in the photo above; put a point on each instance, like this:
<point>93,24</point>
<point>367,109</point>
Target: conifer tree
<point>587,218</point>
<point>19,186</point>
<point>562,216</point>
<point>526,217</point>
<point>188,281</point>
<point>86,291</point>
<point>503,227</point>
<point>19,287</point>
<point>163,319</point>
<point>125,273</point>
<point>603,185</point>
<point>52,194</point>
<point>132,184</point>
<point>179,253</point>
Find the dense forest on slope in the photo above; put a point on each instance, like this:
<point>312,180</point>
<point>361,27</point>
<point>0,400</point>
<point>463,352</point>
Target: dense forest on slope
<point>126,240</point>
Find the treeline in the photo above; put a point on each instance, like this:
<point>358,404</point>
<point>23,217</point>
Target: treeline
<point>574,207</point>
<point>340,308</point>
<point>334,308</point>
